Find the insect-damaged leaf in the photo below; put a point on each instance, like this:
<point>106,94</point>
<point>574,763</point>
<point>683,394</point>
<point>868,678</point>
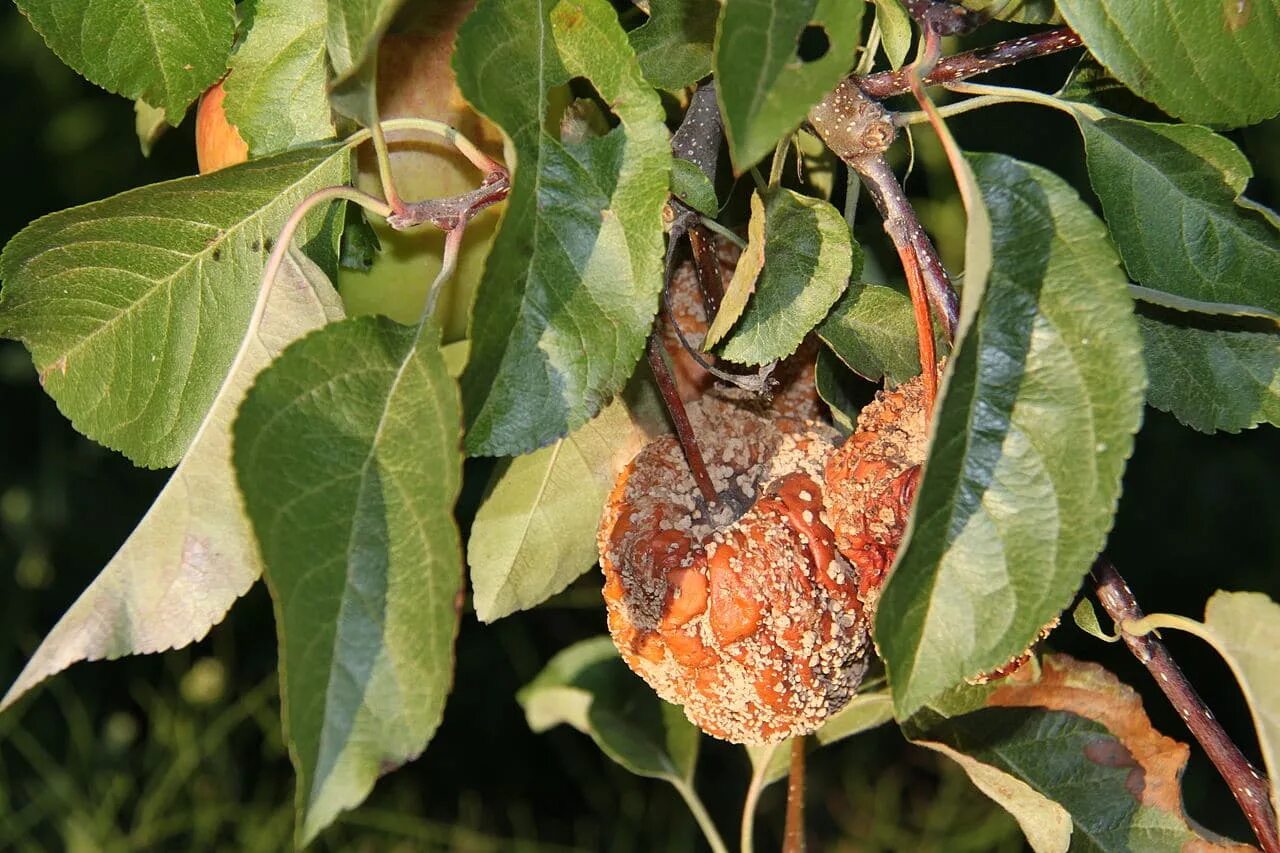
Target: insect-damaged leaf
<point>674,45</point>
<point>773,60</point>
<point>1069,751</point>
<point>571,286</point>
<point>809,257</point>
<point>1201,61</point>
<point>133,307</point>
<point>1041,399</point>
<point>347,453</point>
<point>193,554</point>
<point>164,51</point>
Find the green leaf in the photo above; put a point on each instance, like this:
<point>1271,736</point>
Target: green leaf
<point>746,272</point>
<point>693,188</point>
<point>1017,11</point>
<point>571,286</point>
<point>809,258</point>
<point>277,94</point>
<point>873,331</point>
<point>354,29</point>
<point>149,124</point>
<point>1041,400</point>
<point>1169,195</point>
<point>535,533</point>
<point>1246,629</point>
<point>829,378</point>
<point>347,453</point>
<point>1204,62</point>
<point>164,51</point>
<point>133,307</point>
<point>772,86</point>
<point>895,31</point>
<point>1212,373</point>
<point>589,687</point>
<point>674,45</point>
<point>1071,754</point>
<point>193,553</point>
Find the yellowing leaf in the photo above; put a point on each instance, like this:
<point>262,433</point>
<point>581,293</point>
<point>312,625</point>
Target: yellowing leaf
<point>743,282</point>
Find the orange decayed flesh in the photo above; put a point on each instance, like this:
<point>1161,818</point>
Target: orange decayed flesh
<point>751,622</point>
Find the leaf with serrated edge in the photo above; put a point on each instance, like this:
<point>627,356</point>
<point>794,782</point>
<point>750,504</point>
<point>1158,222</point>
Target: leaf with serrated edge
<point>193,554</point>
<point>535,532</point>
<point>1069,751</point>
<point>1042,398</point>
<point>772,88</point>
<point>674,45</point>
<point>1206,62</point>
<point>743,281</point>
<point>277,94</point>
<point>809,258</point>
<point>133,307</point>
<point>571,285</point>
<point>347,452</point>
<point>1212,373</point>
<point>873,331</point>
<point>1245,629</point>
<point>164,51</point>
<point>589,687</point>
<point>1169,196</point>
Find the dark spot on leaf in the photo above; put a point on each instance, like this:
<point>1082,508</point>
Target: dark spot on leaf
<point>254,246</point>
<point>217,254</point>
<point>267,244</point>
<point>813,43</point>
<point>1109,752</point>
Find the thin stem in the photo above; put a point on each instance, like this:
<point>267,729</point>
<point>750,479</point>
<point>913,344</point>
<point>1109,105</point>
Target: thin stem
<point>448,263</point>
<point>760,182</point>
<point>712,225</point>
<point>384,169</point>
<point>680,419</point>
<point>448,133</point>
<point>746,842</point>
<point>948,110</point>
<point>699,812</point>
<point>924,328</point>
<point>706,260</point>
<point>1246,784</point>
<point>868,57</point>
<point>779,162</point>
<point>902,226</point>
<point>973,62</point>
<point>793,829</point>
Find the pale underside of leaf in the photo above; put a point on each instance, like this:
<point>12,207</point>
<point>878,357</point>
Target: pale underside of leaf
<point>743,281</point>
<point>193,554</point>
<point>535,533</point>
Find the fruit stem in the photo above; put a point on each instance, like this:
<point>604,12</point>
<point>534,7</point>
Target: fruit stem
<point>1247,785</point>
<point>793,829</point>
<point>680,418</point>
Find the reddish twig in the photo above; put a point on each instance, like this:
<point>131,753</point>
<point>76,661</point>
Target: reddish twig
<point>793,829</point>
<point>680,419</point>
<point>707,261</point>
<point>447,213</point>
<point>1247,785</point>
<point>973,62</point>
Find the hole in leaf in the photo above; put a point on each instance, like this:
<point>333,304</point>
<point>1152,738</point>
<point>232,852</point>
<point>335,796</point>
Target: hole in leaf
<point>576,112</point>
<point>813,43</point>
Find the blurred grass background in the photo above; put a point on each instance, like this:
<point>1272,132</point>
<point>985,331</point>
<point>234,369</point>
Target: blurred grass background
<point>184,751</point>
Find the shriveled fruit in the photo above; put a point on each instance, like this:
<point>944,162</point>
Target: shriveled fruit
<point>871,482</point>
<point>218,142</point>
<point>749,620</point>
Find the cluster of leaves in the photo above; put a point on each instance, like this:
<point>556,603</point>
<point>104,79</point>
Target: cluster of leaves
<point>172,323</point>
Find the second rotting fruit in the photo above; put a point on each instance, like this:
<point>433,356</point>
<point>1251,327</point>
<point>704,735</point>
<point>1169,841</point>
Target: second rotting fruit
<point>749,619</point>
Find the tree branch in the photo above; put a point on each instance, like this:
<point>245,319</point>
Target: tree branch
<point>971,63</point>
<point>1247,785</point>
